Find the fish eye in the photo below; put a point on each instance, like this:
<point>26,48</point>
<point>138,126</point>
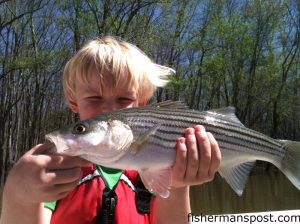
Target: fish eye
<point>79,129</point>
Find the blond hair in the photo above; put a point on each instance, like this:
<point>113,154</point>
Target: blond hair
<point>113,57</point>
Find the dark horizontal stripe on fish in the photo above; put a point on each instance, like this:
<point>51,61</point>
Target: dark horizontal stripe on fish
<point>241,134</point>
<point>249,147</point>
<point>238,137</point>
<point>258,145</point>
<point>189,118</point>
<point>222,147</point>
<point>200,119</point>
<point>178,113</point>
<point>234,146</point>
<point>251,137</point>
<point>234,142</point>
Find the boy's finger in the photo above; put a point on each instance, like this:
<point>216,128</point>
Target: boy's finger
<point>41,149</point>
<point>205,151</point>
<point>58,162</point>
<point>215,155</point>
<point>59,191</point>
<point>181,158</point>
<point>64,176</point>
<point>192,153</point>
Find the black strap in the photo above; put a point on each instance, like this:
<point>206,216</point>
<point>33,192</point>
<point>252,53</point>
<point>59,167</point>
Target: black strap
<point>143,198</point>
<point>110,199</point>
<point>109,202</point>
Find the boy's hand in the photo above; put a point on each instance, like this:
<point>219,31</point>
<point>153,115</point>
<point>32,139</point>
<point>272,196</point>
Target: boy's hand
<point>39,177</point>
<point>198,158</point>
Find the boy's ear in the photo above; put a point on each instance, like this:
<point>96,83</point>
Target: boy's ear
<point>73,105</point>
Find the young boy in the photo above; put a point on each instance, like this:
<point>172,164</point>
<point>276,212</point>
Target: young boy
<point>105,75</point>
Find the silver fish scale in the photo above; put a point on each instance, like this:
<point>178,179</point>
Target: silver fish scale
<point>173,121</point>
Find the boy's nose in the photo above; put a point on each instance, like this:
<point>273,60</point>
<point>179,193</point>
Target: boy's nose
<point>109,106</point>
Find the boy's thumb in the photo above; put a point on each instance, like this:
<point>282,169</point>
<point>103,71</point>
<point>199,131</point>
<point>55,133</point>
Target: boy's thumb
<point>46,149</point>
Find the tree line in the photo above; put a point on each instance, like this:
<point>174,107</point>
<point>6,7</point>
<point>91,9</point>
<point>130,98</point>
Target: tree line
<point>241,53</point>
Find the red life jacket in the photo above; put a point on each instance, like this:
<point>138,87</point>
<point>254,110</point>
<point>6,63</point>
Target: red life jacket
<point>84,205</point>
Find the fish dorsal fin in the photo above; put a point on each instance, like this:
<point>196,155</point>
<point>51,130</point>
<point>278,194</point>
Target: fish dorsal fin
<point>170,104</point>
<point>226,113</point>
<point>237,176</point>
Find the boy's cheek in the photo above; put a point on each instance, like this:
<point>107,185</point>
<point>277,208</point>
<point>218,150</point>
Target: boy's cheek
<point>140,104</point>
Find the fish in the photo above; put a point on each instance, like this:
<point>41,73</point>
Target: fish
<point>144,139</point>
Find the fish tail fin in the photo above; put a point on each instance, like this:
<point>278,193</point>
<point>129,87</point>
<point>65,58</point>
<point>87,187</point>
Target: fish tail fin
<point>290,164</point>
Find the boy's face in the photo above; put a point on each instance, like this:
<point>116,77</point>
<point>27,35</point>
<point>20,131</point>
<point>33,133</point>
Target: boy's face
<point>89,101</point>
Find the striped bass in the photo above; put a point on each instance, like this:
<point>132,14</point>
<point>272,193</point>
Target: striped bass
<point>144,139</point>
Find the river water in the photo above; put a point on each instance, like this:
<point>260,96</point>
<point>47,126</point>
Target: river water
<point>266,190</point>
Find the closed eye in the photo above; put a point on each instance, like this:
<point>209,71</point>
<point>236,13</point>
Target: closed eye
<point>94,98</point>
<point>125,100</point>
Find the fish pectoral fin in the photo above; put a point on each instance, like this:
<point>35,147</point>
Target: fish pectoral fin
<point>142,139</point>
<point>237,176</point>
<point>158,181</point>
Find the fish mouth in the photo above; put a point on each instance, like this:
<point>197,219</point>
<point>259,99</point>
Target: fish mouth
<point>59,145</point>
<point>48,139</point>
